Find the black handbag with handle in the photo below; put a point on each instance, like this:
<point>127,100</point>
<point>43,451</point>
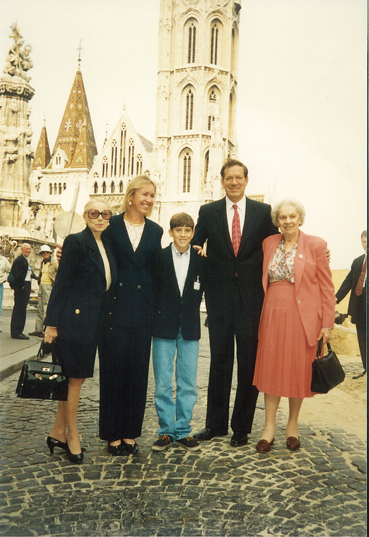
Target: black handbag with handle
<point>327,371</point>
<point>43,380</point>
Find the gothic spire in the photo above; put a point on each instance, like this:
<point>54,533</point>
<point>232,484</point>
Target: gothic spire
<point>76,135</point>
<point>42,155</point>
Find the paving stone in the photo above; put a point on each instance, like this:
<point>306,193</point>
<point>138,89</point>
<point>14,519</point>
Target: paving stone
<point>319,490</point>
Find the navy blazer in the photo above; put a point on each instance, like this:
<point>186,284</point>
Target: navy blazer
<point>134,292</point>
<point>173,311</point>
<point>357,304</point>
<point>79,288</point>
<point>224,268</point>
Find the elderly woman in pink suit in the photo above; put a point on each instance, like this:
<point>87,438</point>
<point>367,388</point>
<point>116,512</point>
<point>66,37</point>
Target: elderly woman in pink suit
<point>298,310</point>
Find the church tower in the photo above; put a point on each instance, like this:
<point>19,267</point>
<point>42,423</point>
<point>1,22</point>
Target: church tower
<point>196,101</point>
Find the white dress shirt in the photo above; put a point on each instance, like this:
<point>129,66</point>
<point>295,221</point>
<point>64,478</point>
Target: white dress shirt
<point>181,264</point>
<point>241,209</point>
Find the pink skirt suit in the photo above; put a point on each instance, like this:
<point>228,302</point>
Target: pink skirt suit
<point>299,301</point>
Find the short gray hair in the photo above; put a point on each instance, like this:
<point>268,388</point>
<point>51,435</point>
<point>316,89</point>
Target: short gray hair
<point>298,206</point>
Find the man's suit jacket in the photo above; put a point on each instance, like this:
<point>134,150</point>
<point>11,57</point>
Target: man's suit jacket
<point>134,291</point>
<point>79,288</point>
<point>224,267</point>
<point>19,270</point>
<point>357,304</point>
<point>173,311</point>
<point>314,289</point>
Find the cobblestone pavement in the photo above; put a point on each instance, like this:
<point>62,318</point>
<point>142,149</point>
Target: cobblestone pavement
<point>320,490</point>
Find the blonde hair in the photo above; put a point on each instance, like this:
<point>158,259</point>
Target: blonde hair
<point>136,183</point>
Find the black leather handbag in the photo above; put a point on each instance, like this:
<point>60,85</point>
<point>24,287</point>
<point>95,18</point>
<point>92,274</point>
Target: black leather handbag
<point>327,371</point>
<point>43,380</point>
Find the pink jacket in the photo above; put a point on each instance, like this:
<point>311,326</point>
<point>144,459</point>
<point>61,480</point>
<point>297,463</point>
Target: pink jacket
<point>314,290</point>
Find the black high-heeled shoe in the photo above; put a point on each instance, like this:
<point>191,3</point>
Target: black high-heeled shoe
<point>130,448</point>
<point>53,443</point>
<point>75,458</point>
<point>117,450</point>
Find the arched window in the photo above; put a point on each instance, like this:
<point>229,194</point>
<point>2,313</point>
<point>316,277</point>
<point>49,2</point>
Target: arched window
<point>189,110</point>
<point>60,188</point>
<point>191,43</point>
<point>213,106</point>
<point>122,153</point>
<point>112,187</point>
<point>139,165</point>
<point>131,157</point>
<point>50,189</point>
<point>186,170</point>
<point>214,39</point>
<point>114,151</point>
<point>104,172</point>
<point>55,189</point>
<point>64,186</point>
<point>206,165</point>
<point>104,187</point>
<point>121,187</point>
<point>96,187</point>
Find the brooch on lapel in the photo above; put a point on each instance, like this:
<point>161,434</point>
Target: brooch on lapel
<point>301,256</point>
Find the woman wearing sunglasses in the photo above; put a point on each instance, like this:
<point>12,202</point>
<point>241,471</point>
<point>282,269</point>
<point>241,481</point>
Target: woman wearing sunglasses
<point>81,293</point>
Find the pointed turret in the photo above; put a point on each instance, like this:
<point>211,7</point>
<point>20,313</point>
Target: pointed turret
<point>76,135</point>
<point>42,155</point>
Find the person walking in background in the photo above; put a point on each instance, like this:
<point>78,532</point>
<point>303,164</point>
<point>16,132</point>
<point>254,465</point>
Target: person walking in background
<point>179,275</point>
<point>125,351</point>
<point>4,271</point>
<point>298,310</point>
<point>46,278</point>
<point>75,315</point>
<point>234,228</point>
<point>22,274</point>
<point>356,282</point>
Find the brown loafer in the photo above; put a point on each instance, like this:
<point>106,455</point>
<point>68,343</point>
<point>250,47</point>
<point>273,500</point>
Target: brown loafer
<point>293,443</point>
<point>263,446</point>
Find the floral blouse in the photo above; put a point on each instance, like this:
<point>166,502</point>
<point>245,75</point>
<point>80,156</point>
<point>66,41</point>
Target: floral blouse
<point>282,265</point>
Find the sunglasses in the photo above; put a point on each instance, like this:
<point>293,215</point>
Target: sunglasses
<point>94,213</point>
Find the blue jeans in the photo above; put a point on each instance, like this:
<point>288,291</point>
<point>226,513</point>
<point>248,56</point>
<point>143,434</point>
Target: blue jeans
<point>175,417</point>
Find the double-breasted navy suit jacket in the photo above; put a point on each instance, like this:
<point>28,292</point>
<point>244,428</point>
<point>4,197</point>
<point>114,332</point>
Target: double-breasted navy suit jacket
<point>224,267</point>
<point>79,289</point>
<point>357,305</point>
<point>173,311</point>
<point>134,292</point>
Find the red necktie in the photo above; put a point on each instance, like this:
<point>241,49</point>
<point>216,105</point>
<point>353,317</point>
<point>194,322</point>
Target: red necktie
<point>360,283</point>
<point>236,230</point>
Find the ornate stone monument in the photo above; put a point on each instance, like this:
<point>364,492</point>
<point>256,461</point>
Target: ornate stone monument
<point>16,152</point>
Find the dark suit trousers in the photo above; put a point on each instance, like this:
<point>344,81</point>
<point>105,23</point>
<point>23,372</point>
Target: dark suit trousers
<point>223,330</point>
<point>361,336</point>
<point>21,299</point>
<point>124,355</point>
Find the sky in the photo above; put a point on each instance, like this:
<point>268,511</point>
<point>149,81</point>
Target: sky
<point>301,104</point>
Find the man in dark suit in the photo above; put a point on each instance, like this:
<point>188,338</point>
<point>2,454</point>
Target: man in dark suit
<point>234,228</point>
<point>356,282</point>
<point>22,273</point>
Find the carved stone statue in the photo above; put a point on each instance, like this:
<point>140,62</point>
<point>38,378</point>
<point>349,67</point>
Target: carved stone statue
<point>18,59</point>
<point>35,182</point>
<point>25,212</point>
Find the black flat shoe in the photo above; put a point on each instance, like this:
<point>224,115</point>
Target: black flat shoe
<point>130,448</point>
<point>75,458</point>
<point>53,443</point>
<point>117,450</point>
<point>239,439</point>
<point>207,434</point>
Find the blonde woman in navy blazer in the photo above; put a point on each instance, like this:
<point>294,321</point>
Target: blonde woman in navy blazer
<point>298,310</point>
<point>74,316</point>
<point>124,361</point>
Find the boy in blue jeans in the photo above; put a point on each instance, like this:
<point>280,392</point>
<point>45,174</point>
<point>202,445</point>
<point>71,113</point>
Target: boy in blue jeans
<point>179,275</point>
